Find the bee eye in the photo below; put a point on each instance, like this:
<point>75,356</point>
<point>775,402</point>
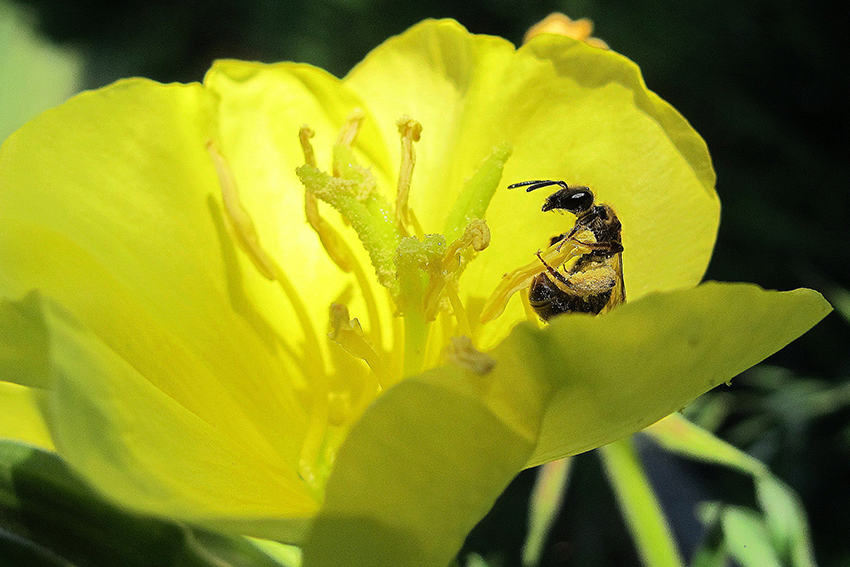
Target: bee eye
<point>575,200</point>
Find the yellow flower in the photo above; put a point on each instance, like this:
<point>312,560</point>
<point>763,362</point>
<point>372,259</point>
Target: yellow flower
<point>209,340</point>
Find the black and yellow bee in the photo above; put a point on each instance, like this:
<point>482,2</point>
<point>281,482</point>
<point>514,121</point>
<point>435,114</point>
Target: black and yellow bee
<point>593,282</point>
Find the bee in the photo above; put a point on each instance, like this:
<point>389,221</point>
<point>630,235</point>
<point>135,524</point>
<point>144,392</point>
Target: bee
<point>594,282</point>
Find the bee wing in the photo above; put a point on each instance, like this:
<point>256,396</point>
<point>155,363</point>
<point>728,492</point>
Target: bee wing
<point>618,294</point>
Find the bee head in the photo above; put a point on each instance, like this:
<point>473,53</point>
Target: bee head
<point>576,200</point>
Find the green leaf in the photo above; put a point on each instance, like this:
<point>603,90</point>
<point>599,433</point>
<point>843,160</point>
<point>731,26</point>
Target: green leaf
<point>642,511</point>
<point>712,550</point>
<point>49,517</point>
<point>747,537</point>
<point>430,456</point>
<point>784,522</point>
<point>546,500</point>
<point>785,518</point>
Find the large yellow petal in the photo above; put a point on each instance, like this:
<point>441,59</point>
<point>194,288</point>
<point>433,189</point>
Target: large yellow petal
<point>122,226</point>
<point>429,457</point>
<point>440,75</point>
<point>261,109</point>
<point>570,112</point>
<point>153,454</point>
<point>22,418</point>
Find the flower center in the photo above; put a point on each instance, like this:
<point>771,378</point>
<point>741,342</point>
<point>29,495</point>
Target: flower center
<point>420,272</point>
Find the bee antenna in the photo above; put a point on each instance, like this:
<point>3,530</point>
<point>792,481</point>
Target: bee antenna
<point>532,185</point>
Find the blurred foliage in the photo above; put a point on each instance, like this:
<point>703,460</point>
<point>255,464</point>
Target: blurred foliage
<point>765,82</point>
<point>50,518</point>
<point>34,75</point>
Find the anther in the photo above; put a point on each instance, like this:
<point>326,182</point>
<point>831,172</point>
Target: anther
<point>461,352</point>
<point>331,241</point>
<point>335,246</point>
<point>305,134</point>
<point>349,335</point>
<point>352,126</point>
<point>512,282</point>
<point>443,281</point>
<point>242,227</point>
<point>410,131</point>
<point>238,218</point>
<point>476,235</point>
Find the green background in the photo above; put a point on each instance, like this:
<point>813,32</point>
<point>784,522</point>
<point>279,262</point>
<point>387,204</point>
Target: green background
<point>765,83</point>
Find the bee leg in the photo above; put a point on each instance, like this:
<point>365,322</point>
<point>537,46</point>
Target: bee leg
<point>587,290</point>
<point>606,247</point>
<point>586,281</point>
<point>552,271</point>
<point>555,239</point>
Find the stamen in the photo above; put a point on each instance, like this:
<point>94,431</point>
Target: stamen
<point>352,385</point>
<point>463,326</point>
<point>311,447</point>
<point>410,131</point>
<point>398,343</point>
<point>335,246</point>
<point>461,352</point>
<point>520,278</point>
<point>330,239</point>
<point>364,284</point>
<point>242,227</point>
<point>352,126</point>
<point>368,219</point>
<point>344,163</point>
<point>477,237</point>
<point>449,328</point>
<point>352,191</point>
<point>349,335</point>
<point>305,134</point>
<point>415,270</point>
<point>473,307</point>
<point>237,217</point>
<point>414,222</point>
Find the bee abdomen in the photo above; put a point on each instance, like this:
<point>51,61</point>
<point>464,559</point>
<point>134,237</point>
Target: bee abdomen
<point>548,300</point>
